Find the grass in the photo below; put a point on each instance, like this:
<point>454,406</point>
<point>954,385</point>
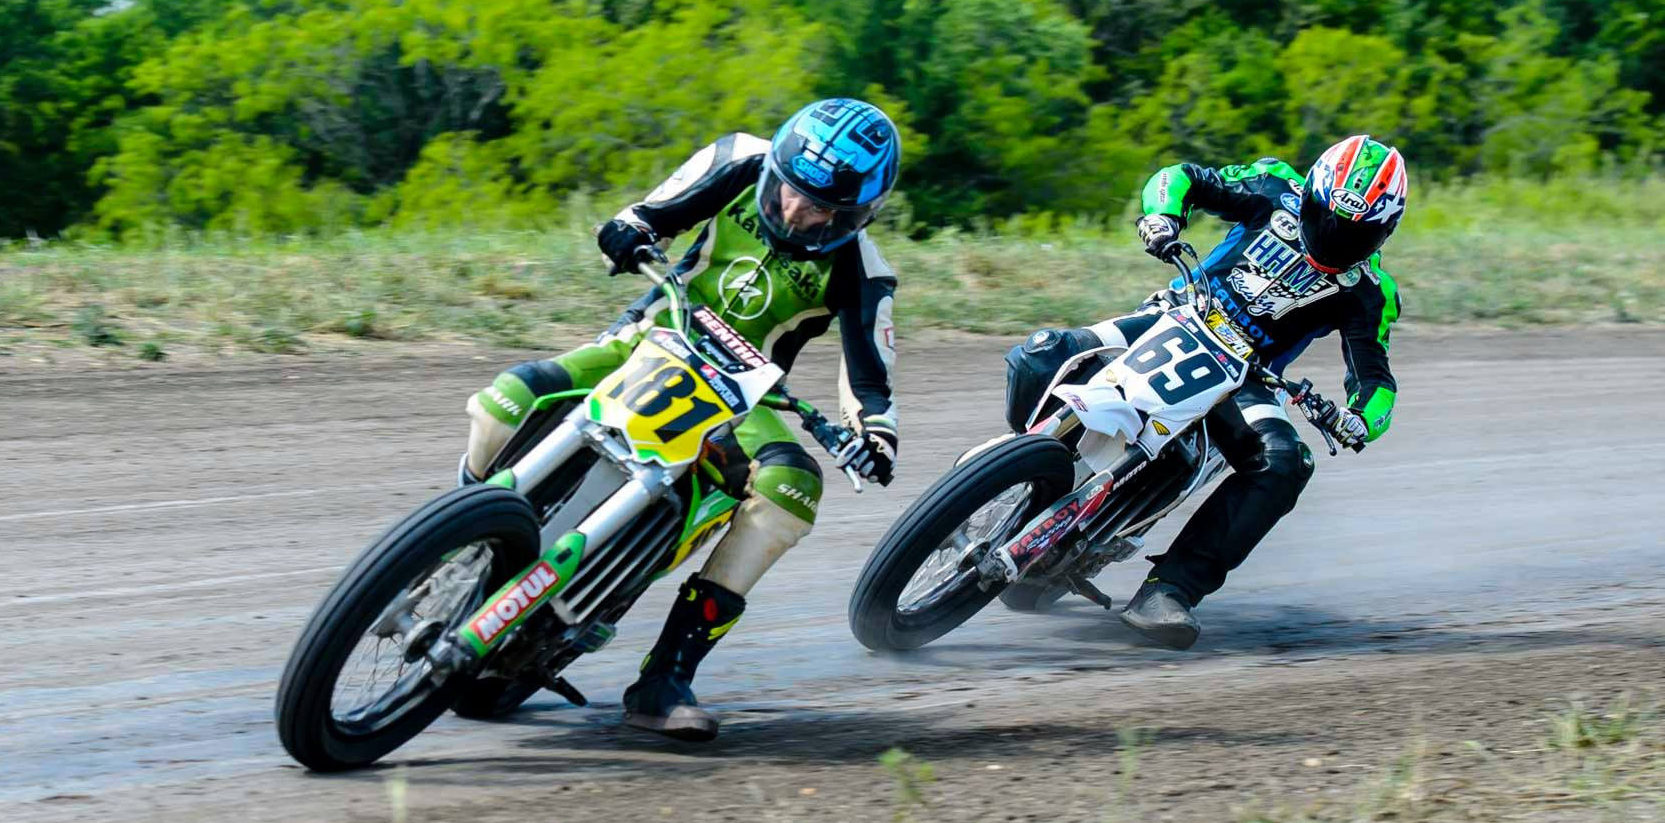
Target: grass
<point>1591,764</point>
<point>1508,254</point>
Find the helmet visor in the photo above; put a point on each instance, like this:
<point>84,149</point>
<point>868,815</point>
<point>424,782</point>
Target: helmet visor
<point>804,221</point>
<point>1333,241</point>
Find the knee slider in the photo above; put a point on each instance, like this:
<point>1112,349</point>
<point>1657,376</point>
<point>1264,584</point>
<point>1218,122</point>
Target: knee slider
<point>790,479</point>
<point>1286,457</point>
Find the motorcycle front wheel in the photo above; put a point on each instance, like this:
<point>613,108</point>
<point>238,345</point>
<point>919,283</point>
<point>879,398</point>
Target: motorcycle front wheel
<point>921,581</point>
<point>357,685</point>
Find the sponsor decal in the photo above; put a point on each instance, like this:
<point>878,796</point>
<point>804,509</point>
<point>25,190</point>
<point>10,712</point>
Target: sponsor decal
<point>1074,400</point>
<point>792,493</point>
<point>1041,538</point>
<point>1160,429</point>
<point>1038,339</point>
<point>515,602</point>
<point>1349,277</point>
<point>503,402</point>
<point>719,384</point>
<point>1348,201</point>
<point>746,288</point>
<point>819,174</point>
<point>1273,256</point>
<point>1290,202</point>
<point>669,341</point>
<point>730,338</point>
<point>1285,225</point>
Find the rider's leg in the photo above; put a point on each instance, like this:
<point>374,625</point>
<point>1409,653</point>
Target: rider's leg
<point>781,500</point>
<point>1270,468</point>
<point>497,410</point>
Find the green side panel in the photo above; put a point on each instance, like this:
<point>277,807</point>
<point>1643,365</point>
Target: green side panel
<point>1165,192</point>
<point>504,478</point>
<point>507,398</point>
<point>1271,166</point>
<point>1378,413</point>
<point>714,505</point>
<point>793,489</point>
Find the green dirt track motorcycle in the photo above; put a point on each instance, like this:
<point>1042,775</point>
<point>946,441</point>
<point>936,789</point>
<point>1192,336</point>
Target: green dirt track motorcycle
<point>483,596</point>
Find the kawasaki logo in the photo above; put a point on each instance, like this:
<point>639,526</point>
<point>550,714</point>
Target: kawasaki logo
<point>514,602</point>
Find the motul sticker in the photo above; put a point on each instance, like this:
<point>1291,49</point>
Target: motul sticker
<point>513,603</point>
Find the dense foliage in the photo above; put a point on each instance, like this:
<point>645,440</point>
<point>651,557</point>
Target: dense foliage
<point>263,116</point>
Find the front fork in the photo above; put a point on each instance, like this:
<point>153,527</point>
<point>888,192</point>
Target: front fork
<point>1070,516</point>
<point>523,594</point>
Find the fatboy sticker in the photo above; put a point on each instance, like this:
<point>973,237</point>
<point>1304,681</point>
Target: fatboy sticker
<point>1285,225</point>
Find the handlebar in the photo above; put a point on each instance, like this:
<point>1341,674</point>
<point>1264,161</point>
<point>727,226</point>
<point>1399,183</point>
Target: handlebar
<point>1321,413</point>
<point>831,436</point>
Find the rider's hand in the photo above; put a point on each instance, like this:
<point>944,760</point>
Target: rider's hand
<point>1349,428</point>
<point>622,241</point>
<point>1160,234</point>
<point>872,453</point>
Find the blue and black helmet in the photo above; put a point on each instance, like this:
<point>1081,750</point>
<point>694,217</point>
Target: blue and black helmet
<point>828,172</point>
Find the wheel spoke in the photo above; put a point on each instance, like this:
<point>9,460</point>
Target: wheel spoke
<point>945,571</point>
<point>377,683</point>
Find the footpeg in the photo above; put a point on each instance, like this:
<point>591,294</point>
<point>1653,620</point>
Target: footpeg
<point>561,687</point>
<point>1084,587</point>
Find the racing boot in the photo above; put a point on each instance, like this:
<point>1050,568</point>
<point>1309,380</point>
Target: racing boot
<point>1162,613</point>
<point>662,699</point>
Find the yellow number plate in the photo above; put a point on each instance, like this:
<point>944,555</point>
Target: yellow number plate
<point>661,402</point>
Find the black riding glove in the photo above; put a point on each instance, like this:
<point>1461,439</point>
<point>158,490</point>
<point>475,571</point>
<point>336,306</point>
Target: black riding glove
<point>627,244</point>
<point>873,452</point>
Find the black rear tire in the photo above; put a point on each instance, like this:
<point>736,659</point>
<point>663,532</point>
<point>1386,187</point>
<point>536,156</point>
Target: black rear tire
<point>406,553</point>
<point>931,520</point>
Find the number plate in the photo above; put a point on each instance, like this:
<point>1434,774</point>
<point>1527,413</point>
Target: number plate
<point>1175,373</point>
<point>665,399</point>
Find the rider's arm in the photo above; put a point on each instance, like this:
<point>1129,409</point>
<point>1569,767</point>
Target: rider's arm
<point>1232,193</point>
<point>705,183</point>
<point>863,298</point>
<point>1364,341</point>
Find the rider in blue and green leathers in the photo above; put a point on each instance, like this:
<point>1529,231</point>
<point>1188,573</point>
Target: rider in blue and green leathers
<point>781,254</point>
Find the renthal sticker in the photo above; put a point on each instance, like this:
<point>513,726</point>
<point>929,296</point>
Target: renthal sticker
<point>1285,225</point>
<point>1348,201</point>
<point>1290,201</point>
<point>1040,538</point>
<point>730,338</point>
<point>514,602</point>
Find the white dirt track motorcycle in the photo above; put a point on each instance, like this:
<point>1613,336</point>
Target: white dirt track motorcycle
<point>1115,443</point>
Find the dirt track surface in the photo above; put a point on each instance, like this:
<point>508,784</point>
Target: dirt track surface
<point>165,532</point>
